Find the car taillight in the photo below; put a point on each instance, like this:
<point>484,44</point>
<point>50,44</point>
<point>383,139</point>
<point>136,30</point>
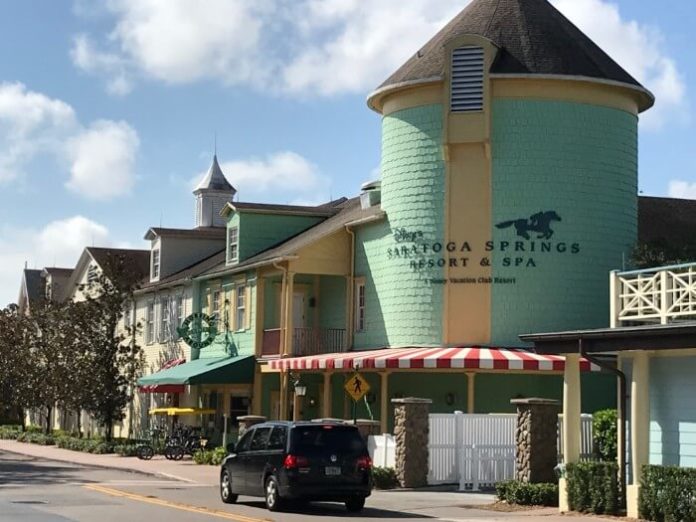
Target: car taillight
<point>364,462</point>
<point>295,461</point>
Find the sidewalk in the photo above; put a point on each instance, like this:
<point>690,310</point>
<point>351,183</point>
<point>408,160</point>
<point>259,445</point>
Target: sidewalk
<point>185,470</point>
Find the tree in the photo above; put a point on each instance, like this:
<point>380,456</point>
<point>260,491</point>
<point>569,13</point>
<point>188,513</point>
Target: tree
<point>113,356</point>
<point>15,364</point>
<point>662,253</point>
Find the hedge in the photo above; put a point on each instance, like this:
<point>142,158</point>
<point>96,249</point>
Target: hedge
<point>526,494</point>
<point>668,493</point>
<point>97,446</point>
<point>593,487</point>
<point>10,432</point>
<point>36,438</point>
<point>384,478</point>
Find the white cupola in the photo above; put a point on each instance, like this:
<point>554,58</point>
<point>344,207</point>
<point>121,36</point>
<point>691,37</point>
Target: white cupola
<point>212,194</point>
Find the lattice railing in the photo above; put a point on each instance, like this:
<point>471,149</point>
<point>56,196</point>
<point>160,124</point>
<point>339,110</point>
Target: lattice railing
<point>656,295</point>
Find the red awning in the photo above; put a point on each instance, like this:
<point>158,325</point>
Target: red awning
<point>473,357</point>
<point>166,388</point>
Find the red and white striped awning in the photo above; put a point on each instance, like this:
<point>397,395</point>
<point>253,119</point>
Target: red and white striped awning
<point>165,388</point>
<point>473,357</point>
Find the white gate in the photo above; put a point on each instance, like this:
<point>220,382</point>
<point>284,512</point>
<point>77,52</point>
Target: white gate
<point>472,450</point>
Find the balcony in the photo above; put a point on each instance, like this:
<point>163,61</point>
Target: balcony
<point>306,341</point>
<point>653,296</point>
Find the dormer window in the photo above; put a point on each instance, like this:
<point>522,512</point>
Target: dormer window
<point>466,90</point>
<point>155,269</point>
<point>232,245</point>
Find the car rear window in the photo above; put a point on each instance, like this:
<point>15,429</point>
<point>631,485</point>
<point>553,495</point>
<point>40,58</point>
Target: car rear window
<point>308,439</point>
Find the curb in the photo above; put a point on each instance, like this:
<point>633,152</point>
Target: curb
<point>99,466</point>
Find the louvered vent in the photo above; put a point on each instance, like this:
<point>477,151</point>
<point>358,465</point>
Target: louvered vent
<point>467,79</point>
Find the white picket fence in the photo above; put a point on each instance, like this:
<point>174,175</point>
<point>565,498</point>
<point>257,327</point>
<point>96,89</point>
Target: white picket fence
<point>472,450</point>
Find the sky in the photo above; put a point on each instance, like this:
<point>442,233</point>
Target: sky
<point>111,111</point>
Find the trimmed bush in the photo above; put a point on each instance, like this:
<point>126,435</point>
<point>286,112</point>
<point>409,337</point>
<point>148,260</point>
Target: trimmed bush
<point>526,494</point>
<point>384,478</point>
<point>668,493</point>
<point>210,457</point>
<point>593,487</point>
<point>126,450</point>
<point>98,445</point>
<point>604,434</point>
<point>36,438</point>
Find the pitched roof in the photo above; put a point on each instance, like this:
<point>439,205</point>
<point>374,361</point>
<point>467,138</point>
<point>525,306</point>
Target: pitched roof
<point>189,233</point>
<point>349,211</point>
<point>58,272</point>
<point>32,286</point>
<point>325,209</point>
<point>533,38</point>
<point>668,221</point>
<point>215,180</point>
<point>187,273</point>
<point>138,260</point>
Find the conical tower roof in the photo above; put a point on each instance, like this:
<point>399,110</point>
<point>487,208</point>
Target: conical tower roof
<point>214,180</point>
<point>533,38</point>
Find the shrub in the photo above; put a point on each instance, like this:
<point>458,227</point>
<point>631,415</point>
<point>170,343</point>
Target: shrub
<point>97,445</point>
<point>126,450</point>
<point>604,434</point>
<point>210,457</point>
<point>10,432</point>
<point>593,487</point>
<point>526,494</point>
<point>36,438</point>
<point>668,493</point>
<point>384,478</point>
<point>34,429</point>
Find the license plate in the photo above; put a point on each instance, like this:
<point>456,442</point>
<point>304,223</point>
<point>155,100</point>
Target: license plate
<point>332,470</point>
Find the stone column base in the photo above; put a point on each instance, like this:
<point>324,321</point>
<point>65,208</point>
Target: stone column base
<point>563,505</point>
<point>632,494</point>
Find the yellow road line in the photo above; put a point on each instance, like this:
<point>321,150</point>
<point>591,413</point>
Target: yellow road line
<point>175,505</point>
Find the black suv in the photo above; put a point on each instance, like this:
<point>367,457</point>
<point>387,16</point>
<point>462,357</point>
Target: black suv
<point>301,461</point>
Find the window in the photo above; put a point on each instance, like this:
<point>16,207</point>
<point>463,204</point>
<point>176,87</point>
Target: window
<point>260,439</point>
<point>165,319</point>
<point>179,311</point>
<point>278,438</point>
<point>240,318</point>
<point>232,244</point>
<point>245,441</point>
<point>92,274</point>
<point>128,317</point>
<point>150,323</point>
<point>467,79</point>
<point>360,305</point>
<point>215,305</point>
<point>155,264</point>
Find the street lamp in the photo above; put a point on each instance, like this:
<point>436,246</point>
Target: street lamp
<point>300,390</point>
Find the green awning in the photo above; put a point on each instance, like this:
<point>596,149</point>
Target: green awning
<point>220,370</point>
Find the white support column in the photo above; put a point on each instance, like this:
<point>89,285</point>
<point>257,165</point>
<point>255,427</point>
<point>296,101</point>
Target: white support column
<point>640,428</point>
<point>384,401</point>
<point>571,421</point>
<point>470,392</point>
<point>326,399</point>
<point>614,302</point>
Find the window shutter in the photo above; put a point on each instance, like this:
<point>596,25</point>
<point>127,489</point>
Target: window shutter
<point>247,307</point>
<point>467,79</point>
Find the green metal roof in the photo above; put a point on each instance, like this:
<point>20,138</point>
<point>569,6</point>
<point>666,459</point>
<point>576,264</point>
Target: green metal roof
<point>222,370</point>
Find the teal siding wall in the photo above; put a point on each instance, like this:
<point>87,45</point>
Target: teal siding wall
<point>241,341</point>
<point>258,232</point>
<point>332,302</point>
<point>580,161</point>
<point>673,411</point>
<point>403,307</point>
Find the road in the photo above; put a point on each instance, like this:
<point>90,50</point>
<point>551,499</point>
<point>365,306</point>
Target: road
<point>34,489</point>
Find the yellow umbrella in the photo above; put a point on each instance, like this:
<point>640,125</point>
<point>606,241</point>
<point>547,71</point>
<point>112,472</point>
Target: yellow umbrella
<point>182,411</point>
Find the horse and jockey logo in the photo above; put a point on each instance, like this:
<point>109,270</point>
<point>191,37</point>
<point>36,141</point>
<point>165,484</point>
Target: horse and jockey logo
<point>539,223</point>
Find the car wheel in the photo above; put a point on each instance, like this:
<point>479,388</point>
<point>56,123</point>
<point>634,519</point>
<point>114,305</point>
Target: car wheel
<point>355,504</point>
<point>273,500</point>
<point>226,488</point>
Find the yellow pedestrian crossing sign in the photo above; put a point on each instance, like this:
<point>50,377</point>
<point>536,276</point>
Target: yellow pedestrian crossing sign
<point>356,386</point>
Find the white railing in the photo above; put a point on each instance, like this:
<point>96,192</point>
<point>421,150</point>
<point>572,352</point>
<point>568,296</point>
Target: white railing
<point>472,450</point>
<point>655,295</point>
<point>586,447</point>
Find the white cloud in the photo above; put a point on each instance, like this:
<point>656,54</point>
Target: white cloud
<point>101,155</point>
<point>329,47</point>
<point>282,177</point>
<point>59,243</point>
<point>30,123</point>
<point>86,57</point>
<point>682,189</point>
<point>103,160</point>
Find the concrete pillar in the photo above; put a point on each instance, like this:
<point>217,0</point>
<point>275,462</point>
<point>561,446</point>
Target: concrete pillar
<point>257,391</point>
<point>350,308</point>
<point>384,401</point>
<point>536,452</point>
<point>283,301</point>
<point>411,433</point>
<point>640,427</point>
<point>289,328</point>
<point>571,422</point>
<point>283,396</point>
<point>326,399</point>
